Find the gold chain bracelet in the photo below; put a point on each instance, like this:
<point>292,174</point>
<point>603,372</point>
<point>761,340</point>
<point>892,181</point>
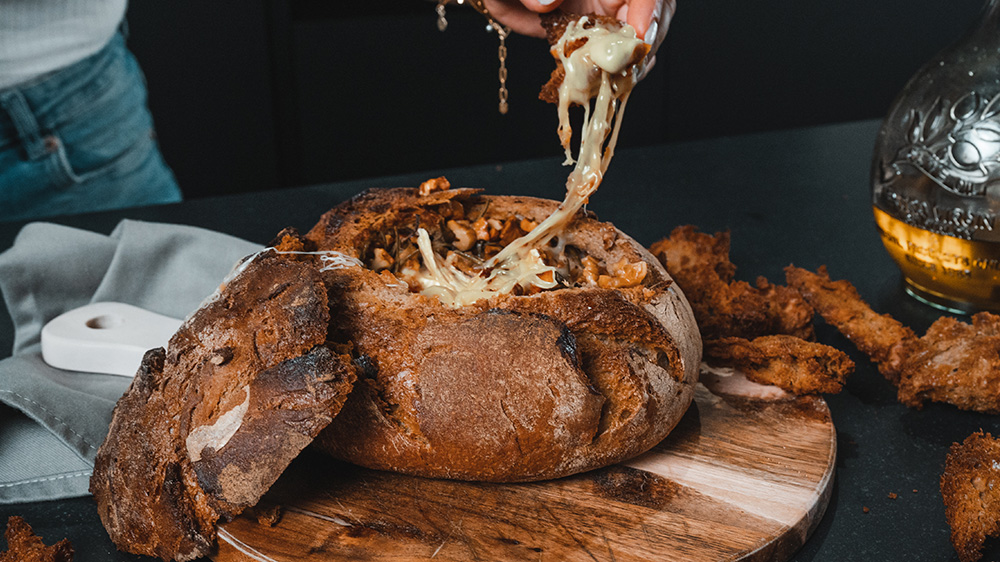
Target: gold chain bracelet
<point>491,25</point>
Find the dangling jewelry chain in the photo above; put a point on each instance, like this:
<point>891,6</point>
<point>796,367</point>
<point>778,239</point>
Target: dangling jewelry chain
<point>502,55</point>
<point>442,20</point>
<point>491,25</point>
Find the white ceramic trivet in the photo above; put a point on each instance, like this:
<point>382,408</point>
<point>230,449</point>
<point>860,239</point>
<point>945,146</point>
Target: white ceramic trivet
<point>104,337</point>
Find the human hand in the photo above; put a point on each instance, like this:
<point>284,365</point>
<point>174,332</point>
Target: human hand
<point>650,18</point>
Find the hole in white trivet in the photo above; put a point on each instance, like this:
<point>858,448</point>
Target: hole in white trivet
<point>105,322</point>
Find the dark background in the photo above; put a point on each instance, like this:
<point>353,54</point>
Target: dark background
<point>251,95</point>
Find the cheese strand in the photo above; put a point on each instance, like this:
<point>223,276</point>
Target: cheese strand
<point>602,70</point>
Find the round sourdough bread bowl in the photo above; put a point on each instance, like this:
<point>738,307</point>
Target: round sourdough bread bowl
<point>519,387</point>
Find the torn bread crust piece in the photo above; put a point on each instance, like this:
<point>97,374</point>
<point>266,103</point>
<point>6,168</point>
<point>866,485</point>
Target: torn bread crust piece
<point>790,363</point>
<point>955,362</point>
<point>880,336</point>
<point>970,488</point>
<point>764,331</point>
<point>207,426</point>
<point>723,306</point>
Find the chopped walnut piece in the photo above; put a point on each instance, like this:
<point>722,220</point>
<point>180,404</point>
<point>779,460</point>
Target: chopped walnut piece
<point>510,231</point>
<point>455,210</point>
<point>482,229</point>
<point>434,184</point>
<point>465,236</point>
<point>490,250</point>
<point>607,282</point>
<point>382,260</point>
<point>591,271</point>
<point>495,227</point>
<point>409,272</point>
<point>623,274</point>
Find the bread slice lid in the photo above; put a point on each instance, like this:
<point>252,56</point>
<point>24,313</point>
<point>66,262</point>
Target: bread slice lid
<point>209,424</point>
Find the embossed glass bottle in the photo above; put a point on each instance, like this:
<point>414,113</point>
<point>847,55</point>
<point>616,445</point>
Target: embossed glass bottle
<point>936,174</point>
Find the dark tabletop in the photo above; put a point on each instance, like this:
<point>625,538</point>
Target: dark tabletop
<point>799,196</point>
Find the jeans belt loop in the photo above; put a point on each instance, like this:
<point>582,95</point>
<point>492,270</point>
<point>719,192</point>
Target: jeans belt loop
<point>28,131</point>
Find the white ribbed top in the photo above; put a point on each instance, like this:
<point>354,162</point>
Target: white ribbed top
<point>39,36</point>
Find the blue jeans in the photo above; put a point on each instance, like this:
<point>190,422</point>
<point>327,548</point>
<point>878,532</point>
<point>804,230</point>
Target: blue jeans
<point>81,139</point>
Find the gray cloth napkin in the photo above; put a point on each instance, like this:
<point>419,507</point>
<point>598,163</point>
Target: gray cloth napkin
<point>52,421</point>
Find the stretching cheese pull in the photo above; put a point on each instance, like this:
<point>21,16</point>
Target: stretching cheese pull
<point>603,69</point>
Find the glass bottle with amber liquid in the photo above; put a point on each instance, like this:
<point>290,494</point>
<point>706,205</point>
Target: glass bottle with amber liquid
<point>936,174</point>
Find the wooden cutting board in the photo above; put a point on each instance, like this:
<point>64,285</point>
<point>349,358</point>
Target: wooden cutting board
<point>740,478</point>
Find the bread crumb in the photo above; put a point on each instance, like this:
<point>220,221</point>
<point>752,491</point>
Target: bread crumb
<point>25,546</point>
<point>865,509</point>
<point>268,515</point>
<point>892,495</point>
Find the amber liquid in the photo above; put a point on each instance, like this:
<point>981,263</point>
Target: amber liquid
<point>947,272</point>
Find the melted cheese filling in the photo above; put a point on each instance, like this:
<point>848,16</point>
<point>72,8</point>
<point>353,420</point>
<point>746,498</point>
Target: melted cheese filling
<point>455,288</point>
<point>602,70</point>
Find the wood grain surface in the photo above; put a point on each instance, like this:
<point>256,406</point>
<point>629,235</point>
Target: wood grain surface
<point>745,476</point>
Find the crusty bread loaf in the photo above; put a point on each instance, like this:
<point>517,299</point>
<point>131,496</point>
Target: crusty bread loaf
<point>207,426</point>
<point>520,387</point>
